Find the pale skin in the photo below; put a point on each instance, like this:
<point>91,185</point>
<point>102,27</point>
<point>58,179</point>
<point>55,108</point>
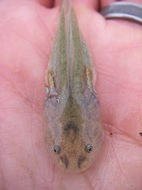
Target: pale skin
<point>27,30</point>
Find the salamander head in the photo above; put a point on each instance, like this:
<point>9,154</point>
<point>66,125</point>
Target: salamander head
<point>74,152</point>
<point>73,135</point>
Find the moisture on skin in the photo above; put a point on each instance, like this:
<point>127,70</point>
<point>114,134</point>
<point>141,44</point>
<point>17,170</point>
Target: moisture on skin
<point>72,119</point>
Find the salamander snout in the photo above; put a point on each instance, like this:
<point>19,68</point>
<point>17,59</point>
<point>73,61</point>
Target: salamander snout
<point>71,163</point>
<point>66,162</point>
<point>73,158</point>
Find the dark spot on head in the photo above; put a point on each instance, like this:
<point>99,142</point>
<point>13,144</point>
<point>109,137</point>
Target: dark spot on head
<point>110,133</point>
<point>80,160</point>
<point>65,160</point>
<point>140,133</point>
<point>71,126</point>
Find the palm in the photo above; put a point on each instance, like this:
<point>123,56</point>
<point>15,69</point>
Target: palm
<point>25,46</point>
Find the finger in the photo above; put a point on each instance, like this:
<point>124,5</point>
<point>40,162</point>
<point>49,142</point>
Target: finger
<point>107,2</point>
<point>91,4</point>
<point>46,3</point>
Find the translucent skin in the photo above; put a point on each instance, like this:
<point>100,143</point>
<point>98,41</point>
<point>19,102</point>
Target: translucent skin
<point>72,110</point>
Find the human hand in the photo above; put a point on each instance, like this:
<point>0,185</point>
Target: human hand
<point>27,33</point>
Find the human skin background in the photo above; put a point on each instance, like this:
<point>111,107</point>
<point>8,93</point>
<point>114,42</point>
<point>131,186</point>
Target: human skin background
<point>27,30</point>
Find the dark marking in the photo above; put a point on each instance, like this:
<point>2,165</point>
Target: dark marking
<point>140,133</point>
<point>65,160</point>
<point>80,160</point>
<point>110,133</point>
<point>71,126</point>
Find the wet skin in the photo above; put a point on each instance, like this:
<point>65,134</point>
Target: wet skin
<point>27,30</point>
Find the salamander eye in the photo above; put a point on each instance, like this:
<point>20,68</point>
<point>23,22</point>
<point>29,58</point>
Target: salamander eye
<point>88,148</point>
<point>57,149</point>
